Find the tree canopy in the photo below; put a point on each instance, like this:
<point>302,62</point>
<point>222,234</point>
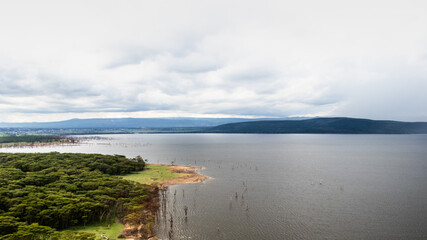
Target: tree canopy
<point>44,192</point>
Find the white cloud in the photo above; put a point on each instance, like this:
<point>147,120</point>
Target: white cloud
<point>61,59</point>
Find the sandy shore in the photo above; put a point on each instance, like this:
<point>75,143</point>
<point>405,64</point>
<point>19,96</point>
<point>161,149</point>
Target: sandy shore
<point>188,175</point>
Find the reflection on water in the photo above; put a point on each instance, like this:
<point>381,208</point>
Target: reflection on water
<point>285,186</point>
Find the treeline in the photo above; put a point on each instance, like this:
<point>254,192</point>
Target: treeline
<point>30,138</point>
<point>41,192</point>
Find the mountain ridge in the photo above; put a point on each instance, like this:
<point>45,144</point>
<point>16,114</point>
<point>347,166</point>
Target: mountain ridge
<point>99,123</point>
<point>338,125</point>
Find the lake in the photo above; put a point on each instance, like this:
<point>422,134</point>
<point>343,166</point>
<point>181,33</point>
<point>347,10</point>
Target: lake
<point>284,186</point>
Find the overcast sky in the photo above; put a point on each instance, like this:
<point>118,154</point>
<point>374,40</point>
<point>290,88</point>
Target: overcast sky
<point>85,59</point>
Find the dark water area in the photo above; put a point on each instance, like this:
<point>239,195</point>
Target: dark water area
<point>290,186</point>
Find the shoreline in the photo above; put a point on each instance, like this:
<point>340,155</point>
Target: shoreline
<point>188,175</point>
<point>65,142</point>
<point>31,145</point>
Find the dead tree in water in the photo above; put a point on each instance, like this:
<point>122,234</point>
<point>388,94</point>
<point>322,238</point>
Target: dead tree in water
<point>185,210</point>
<point>171,220</point>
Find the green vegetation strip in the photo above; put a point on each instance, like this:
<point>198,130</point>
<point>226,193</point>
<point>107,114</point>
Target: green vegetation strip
<point>152,174</point>
<point>101,229</point>
<point>29,139</point>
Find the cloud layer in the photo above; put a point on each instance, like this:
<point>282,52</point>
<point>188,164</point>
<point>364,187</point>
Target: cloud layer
<point>62,59</point>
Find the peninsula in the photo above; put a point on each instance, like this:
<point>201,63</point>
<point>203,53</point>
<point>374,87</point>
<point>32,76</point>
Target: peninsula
<point>58,195</point>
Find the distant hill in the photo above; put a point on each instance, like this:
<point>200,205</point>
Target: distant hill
<point>114,123</point>
<point>227,125</point>
<point>324,125</point>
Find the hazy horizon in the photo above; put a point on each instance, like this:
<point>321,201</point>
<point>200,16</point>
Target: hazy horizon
<point>243,119</point>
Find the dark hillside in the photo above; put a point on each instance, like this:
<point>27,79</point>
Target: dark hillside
<point>324,125</point>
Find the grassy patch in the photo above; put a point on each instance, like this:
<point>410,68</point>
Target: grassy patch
<point>152,174</point>
<point>112,231</point>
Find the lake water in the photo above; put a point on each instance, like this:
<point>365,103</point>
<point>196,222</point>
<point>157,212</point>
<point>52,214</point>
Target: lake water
<point>288,186</point>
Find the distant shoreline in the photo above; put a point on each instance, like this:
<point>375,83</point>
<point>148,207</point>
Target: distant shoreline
<point>331,125</point>
<point>63,141</point>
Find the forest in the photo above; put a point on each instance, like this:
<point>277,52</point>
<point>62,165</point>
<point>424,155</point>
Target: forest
<point>30,138</point>
<point>42,193</point>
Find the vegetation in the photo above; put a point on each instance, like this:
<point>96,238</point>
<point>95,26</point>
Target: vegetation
<point>29,138</point>
<point>100,229</point>
<point>324,125</point>
<point>152,174</point>
<point>41,193</point>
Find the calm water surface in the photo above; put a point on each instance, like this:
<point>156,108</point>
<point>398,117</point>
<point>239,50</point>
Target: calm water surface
<point>288,186</point>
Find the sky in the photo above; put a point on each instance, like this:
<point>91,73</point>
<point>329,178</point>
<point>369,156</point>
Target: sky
<point>168,58</point>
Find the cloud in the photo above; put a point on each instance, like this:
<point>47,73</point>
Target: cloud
<point>257,58</point>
